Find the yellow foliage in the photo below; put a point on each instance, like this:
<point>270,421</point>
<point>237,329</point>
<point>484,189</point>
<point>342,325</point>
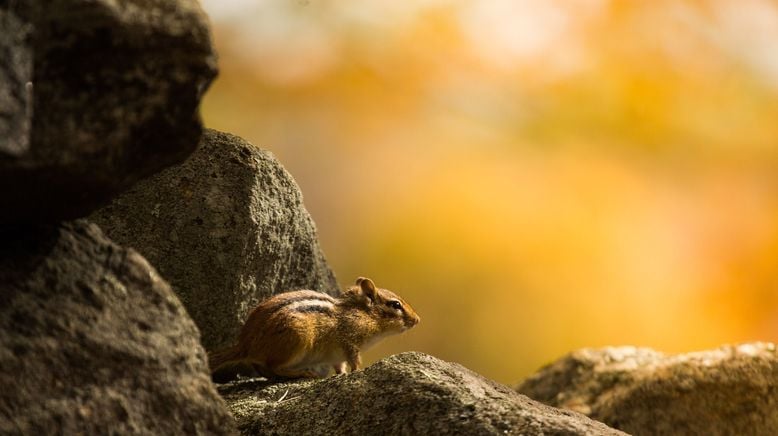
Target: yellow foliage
<point>532,176</point>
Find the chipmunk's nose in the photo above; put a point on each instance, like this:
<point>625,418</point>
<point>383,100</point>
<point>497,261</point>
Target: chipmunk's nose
<point>414,320</point>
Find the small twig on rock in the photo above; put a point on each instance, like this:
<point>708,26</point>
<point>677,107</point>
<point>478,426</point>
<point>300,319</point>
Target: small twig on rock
<point>283,396</point>
<point>426,375</point>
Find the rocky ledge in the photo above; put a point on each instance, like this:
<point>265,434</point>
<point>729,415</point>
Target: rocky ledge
<point>409,393</point>
<point>731,390</point>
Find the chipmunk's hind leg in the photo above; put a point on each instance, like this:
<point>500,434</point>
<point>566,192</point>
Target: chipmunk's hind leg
<point>300,366</point>
<point>289,356</point>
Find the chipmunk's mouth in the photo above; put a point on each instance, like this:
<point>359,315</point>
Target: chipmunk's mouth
<point>410,323</point>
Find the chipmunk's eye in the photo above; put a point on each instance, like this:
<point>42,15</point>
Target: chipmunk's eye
<point>394,304</point>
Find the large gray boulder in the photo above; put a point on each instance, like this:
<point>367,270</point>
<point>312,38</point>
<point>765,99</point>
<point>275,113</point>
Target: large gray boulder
<point>93,341</point>
<point>227,228</point>
<point>406,394</point>
<point>732,390</point>
<point>95,95</point>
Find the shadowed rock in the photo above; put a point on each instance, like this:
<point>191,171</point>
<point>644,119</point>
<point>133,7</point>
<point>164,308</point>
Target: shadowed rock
<point>15,73</point>
<point>93,341</point>
<point>410,393</point>
<point>728,391</point>
<point>227,228</point>
<point>95,95</point>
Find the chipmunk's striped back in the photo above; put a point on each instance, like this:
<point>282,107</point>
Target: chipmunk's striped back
<point>308,306</point>
<point>300,301</point>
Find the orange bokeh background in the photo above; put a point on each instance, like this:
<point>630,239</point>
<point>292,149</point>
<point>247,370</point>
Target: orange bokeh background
<point>534,176</point>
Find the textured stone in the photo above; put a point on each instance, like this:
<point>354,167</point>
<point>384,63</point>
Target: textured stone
<point>93,341</point>
<point>227,228</point>
<point>15,73</point>
<point>410,393</point>
<point>732,390</point>
<point>115,88</point>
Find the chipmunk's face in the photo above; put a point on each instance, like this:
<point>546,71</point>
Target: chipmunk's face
<point>392,312</point>
<point>398,314</point>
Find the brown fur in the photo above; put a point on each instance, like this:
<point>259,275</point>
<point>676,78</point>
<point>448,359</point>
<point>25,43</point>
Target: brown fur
<point>304,333</point>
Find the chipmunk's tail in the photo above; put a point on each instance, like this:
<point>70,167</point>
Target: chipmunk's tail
<point>220,357</point>
<point>226,364</point>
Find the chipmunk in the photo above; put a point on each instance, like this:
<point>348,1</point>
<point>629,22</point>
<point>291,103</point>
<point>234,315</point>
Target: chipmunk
<point>302,334</point>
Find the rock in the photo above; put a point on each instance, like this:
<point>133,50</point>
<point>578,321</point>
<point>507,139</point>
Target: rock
<point>727,391</point>
<point>410,393</point>
<point>93,341</point>
<point>15,72</point>
<point>227,228</point>
<point>115,89</point>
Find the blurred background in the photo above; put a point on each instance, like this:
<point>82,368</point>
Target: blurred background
<point>533,176</point>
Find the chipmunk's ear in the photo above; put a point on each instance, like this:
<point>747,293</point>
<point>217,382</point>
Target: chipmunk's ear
<point>367,287</point>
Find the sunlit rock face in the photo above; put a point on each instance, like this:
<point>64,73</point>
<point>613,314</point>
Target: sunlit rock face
<point>95,95</point>
<point>729,390</point>
<point>409,393</point>
<point>227,228</point>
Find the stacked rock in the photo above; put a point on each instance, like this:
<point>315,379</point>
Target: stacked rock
<point>95,96</point>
